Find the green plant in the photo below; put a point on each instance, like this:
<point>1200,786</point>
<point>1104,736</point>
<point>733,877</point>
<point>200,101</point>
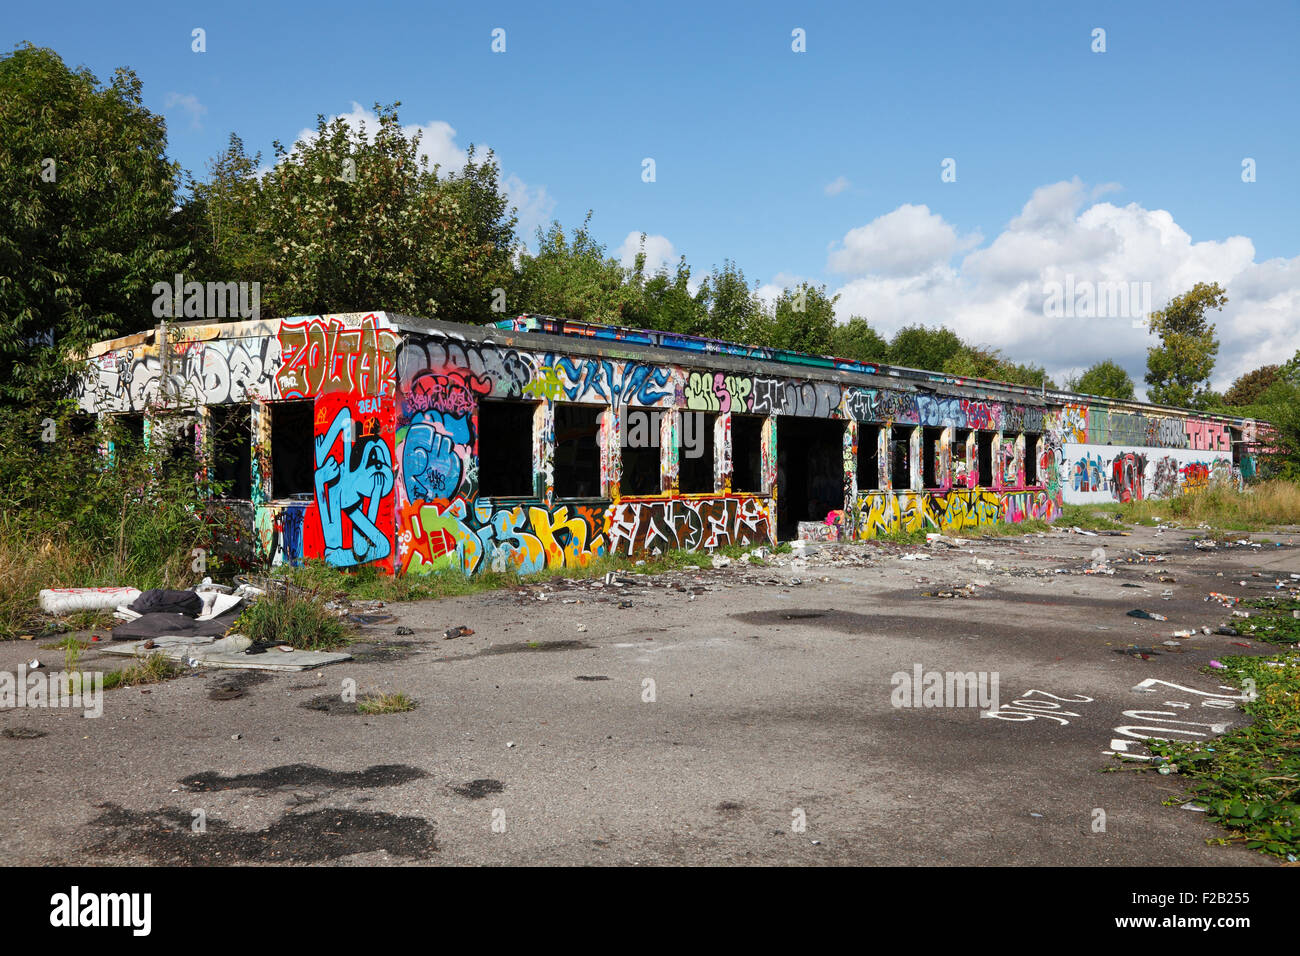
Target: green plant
<point>394,703</point>
<point>1248,778</point>
<point>153,669</point>
<point>296,618</point>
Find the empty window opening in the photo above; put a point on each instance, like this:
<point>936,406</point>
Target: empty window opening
<point>128,433</point>
<point>1031,459</point>
<point>577,451</point>
<point>1235,435</point>
<point>930,457</point>
<point>984,451</point>
<point>958,457</point>
<point>293,452</point>
<point>176,439</point>
<point>747,453</point>
<point>868,457</point>
<point>810,471</point>
<point>642,468</point>
<point>230,427</point>
<point>505,448</point>
<point>900,457</point>
<point>695,452</point>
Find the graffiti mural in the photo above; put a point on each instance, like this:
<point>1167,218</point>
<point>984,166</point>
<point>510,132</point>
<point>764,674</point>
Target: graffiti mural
<point>396,450</point>
<point>351,521</point>
<point>658,526</point>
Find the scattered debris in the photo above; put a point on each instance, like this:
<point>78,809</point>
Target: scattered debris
<point>454,632</point>
<point>1147,615</point>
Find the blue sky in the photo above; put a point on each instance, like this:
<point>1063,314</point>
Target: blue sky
<point>774,158</point>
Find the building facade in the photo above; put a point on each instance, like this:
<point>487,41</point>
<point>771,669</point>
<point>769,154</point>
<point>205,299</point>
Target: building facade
<point>418,445</point>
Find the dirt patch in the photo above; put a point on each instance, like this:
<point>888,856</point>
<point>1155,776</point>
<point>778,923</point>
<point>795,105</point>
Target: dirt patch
<point>332,704</point>
<point>306,776</point>
<point>385,651</point>
<point>232,686</point>
<point>478,789</point>
<point>23,733</point>
<point>591,677</point>
<point>520,647</point>
<point>846,622</point>
<point>165,836</point>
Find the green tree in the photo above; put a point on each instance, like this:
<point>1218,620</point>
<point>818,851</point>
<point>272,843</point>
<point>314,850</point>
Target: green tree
<point>1105,378</point>
<point>221,215</point>
<point>803,320</point>
<point>1178,370</point>
<point>573,278</point>
<point>921,347</point>
<point>857,340</point>
<point>734,311</point>
<point>1247,389</point>
<point>86,222</point>
<point>354,221</point>
<point>667,303</point>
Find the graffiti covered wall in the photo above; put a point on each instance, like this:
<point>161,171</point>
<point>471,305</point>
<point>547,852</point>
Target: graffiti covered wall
<point>395,453</point>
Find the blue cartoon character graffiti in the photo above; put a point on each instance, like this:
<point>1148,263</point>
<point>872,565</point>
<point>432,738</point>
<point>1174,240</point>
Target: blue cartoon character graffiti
<point>356,487</point>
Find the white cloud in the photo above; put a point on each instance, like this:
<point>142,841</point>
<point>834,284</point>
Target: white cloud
<point>837,186</point>
<point>901,273</point>
<point>188,103</point>
<point>659,252</point>
<point>909,240</point>
<point>769,292</point>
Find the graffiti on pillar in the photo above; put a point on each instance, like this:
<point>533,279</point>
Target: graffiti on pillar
<point>351,522</point>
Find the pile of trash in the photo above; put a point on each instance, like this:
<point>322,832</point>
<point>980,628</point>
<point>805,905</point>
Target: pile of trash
<point>207,610</point>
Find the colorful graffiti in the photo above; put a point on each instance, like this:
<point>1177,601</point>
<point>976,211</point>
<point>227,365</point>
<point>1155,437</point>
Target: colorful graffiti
<point>351,521</point>
<point>323,354</point>
<point>436,536</point>
<point>656,526</point>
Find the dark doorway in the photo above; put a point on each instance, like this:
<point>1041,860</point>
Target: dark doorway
<point>868,457</point>
<point>984,445</point>
<point>293,454</point>
<point>930,457</point>
<point>809,469</point>
<point>1031,460</point>
<point>747,453</point>
<point>900,458</point>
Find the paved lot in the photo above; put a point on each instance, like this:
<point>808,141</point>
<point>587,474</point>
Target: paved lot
<point>769,696</point>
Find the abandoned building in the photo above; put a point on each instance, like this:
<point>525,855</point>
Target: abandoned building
<point>538,442</point>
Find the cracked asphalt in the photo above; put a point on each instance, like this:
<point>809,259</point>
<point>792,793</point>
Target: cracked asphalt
<point>700,725</point>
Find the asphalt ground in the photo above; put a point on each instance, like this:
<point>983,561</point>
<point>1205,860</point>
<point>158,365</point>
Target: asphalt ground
<point>741,715</point>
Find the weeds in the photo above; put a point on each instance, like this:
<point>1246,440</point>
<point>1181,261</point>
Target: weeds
<point>1248,778</point>
<point>153,669</point>
<point>1274,502</point>
<point>295,618</point>
<point>1087,518</point>
<point>1274,624</point>
<point>394,703</point>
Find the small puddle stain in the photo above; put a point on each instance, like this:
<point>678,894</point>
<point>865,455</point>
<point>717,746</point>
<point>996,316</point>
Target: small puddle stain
<point>478,789</point>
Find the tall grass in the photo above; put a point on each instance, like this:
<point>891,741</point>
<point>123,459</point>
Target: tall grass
<point>70,518</point>
<point>1274,502</point>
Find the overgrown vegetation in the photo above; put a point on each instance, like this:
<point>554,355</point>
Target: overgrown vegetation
<point>295,617</point>
<point>1273,620</point>
<point>1087,518</point>
<point>153,669</point>
<point>1274,502</point>
<point>1248,778</point>
<point>68,520</point>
